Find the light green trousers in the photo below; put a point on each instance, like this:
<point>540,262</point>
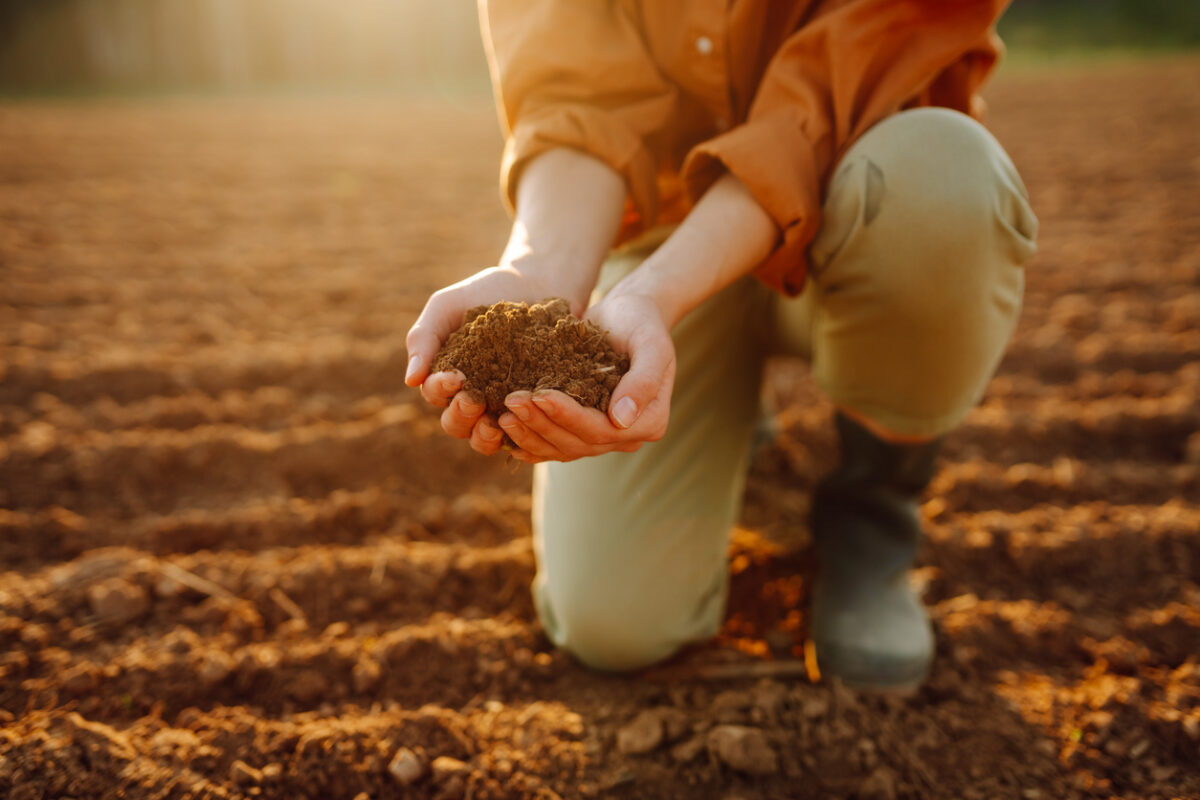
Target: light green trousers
<point>914,291</point>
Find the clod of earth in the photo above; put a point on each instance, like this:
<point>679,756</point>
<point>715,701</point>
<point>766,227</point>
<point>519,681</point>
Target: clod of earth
<point>118,601</point>
<point>744,749</point>
<point>510,347</point>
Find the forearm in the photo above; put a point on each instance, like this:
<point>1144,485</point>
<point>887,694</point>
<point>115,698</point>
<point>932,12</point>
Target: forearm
<point>569,207</point>
<point>724,237</point>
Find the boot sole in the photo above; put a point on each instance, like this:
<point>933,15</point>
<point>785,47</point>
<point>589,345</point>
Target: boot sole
<point>869,675</point>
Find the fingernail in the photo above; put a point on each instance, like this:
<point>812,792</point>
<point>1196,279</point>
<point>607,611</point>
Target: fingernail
<point>544,403</point>
<point>520,409</point>
<point>469,406</point>
<point>488,433</point>
<point>625,412</point>
<point>412,368</point>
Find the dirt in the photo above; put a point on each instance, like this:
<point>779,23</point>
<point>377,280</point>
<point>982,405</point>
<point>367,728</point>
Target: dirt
<point>512,347</point>
<point>240,559</point>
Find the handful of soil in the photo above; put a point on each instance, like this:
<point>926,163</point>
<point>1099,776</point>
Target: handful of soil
<point>509,347</point>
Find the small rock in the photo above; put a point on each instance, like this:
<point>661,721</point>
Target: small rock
<point>406,767</point>
<point>214,667</point>
<point>815,706</point>
<point>1191,726</point>
<point>272,772</point>
<point>445,767</point>
<point>117,601</point>
<point>686,752</point>
<point>245,775</point>
<point>641,735</point>
<point>168,588</point>
<point>744,749</point>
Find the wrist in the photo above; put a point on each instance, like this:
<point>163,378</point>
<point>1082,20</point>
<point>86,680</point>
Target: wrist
<point>649,283</point>
<point>552,277</point>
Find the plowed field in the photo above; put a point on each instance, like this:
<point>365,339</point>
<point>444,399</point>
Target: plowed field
<point>239,559</point>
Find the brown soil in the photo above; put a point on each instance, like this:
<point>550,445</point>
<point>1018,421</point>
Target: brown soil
<point>512,347</point>
<point>240,559</point>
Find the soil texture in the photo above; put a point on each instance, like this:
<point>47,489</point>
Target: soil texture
<point>511,347</point>
<point>239,559</point>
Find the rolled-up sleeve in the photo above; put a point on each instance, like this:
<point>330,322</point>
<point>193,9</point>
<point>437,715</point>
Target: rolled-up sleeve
<point>851,65</point>
<point>575,73</point>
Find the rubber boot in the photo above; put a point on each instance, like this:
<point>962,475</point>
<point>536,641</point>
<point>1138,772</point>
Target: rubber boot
<point>869,627</point>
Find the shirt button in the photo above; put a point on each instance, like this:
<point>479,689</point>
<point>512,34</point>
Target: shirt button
<point>704,45</point>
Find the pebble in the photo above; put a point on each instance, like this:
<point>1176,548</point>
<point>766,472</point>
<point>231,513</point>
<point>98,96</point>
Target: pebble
<point>406,767</point>
<point>214,667</point>
<point>815,706</point>
<point>743,748</point>
<point>117,601</point>
<point>641,735</point>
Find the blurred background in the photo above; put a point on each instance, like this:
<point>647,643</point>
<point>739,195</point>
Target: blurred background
<point>415,45</point>
<point>239,558</point>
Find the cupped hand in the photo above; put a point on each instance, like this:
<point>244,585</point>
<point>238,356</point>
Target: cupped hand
<point>463,417</point>
<point>551,426</point>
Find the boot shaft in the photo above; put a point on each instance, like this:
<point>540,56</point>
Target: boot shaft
<point>865,512</point>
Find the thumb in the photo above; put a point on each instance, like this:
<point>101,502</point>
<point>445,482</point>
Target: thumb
<point>651,356</point>
<point>424,340</point>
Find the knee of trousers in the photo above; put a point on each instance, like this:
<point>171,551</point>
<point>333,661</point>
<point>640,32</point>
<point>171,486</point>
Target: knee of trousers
<point>608,630</point>
<point>932,200</point>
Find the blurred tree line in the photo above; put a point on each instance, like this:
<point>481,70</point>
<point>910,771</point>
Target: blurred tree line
<point>64,45</point>
<point>237,44</point>
<point>1048,27</point>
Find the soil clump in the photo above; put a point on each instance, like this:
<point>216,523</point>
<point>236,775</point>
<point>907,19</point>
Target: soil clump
<point>509,347</point>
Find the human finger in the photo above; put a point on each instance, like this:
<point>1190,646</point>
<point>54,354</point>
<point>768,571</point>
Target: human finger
<point>587,425</point>
<point>461,414</point>
<point>528,440</point>
<point>652,358</point>
<point>440,387</point>
<point>437,320</point>
<point>486,437</point>
<point>530,415</point>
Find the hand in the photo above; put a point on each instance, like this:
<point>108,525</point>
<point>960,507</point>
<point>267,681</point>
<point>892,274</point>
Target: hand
<point>551,426</point>
<point>442,315</point>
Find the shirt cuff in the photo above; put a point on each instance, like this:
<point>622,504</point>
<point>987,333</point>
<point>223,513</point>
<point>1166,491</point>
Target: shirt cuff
<point>592,131</point>
<point>775,160</point>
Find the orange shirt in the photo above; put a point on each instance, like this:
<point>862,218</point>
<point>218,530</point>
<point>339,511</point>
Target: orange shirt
<point>671,94</point>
